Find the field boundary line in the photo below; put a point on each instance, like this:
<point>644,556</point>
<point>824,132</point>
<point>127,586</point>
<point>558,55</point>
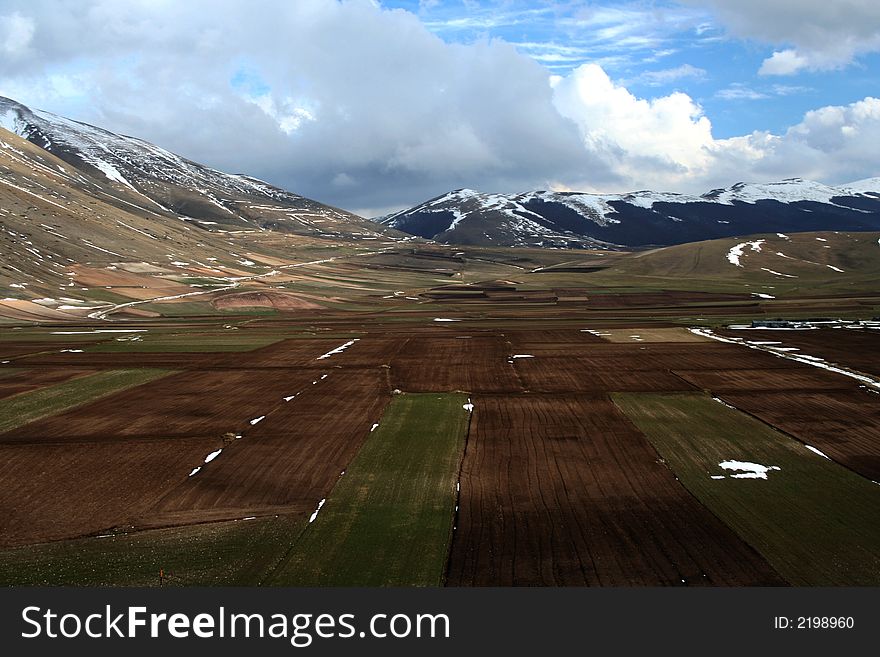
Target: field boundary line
<point>467,437</point>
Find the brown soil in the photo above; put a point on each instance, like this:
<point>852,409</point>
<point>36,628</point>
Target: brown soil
<point>186,405</point>
<point>478,363</point>
<point>855,348</point>
<point>32,312</point>
<point>780,380</point>
<point>561,491</point>
<point>574,374</point>
<point>51,492</point>
<point>269,299</point>
<point>287,462</point>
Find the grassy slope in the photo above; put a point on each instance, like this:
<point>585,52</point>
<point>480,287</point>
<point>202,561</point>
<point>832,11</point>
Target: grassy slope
<point>704,265</point>
<point>813,520</point>
<point>388,520</point>
<point>236,553</point>
<point>26,407</point>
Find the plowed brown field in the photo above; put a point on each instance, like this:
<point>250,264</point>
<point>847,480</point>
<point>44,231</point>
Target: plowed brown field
<point>572,374</point>
<point>186,405</point>
<point>58,491</point>
<point>287,462</point>
<point>565,491</point>
<point>474,364</point>
<point>799,378</point>
<point>855,348</point>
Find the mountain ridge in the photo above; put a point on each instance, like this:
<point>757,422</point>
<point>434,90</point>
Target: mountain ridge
<point>174,185</point>
<point>640,219</point>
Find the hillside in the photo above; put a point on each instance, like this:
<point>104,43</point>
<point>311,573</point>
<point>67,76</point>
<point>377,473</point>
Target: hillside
<point>131,173</point>
<point>75,241</point>
<point>768,264</point>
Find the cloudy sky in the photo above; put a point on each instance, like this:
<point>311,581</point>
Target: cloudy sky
<point>374,106</point>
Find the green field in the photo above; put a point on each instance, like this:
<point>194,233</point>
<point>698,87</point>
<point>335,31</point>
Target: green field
<point>236,553</point>
<point>388,521</point>
<point>26,407</point>
<point>813,520</point>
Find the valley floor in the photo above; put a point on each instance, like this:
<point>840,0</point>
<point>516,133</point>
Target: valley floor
<point>475,436</point>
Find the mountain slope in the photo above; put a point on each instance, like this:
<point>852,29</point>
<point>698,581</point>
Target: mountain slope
<point>640,219</point>
<point>162,183</point>
<point>77,241</point>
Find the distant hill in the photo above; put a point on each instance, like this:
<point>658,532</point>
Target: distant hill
<point>769,265</point>
<point>640,219</point>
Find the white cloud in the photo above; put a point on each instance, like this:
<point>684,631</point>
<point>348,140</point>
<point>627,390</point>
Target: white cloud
<point>16,33</point>
<point>670,75</point>
<point>739,91</point>
<point>784,62</point>
<point>663,140</point>
<point>365,108</point>
<point>834,144</point>
<point>819,34</point>
<point>667,142</point>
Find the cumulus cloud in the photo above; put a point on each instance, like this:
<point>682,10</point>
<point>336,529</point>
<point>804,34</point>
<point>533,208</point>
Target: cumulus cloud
<point>667,142</point>
<point>365,108</point>
<point>663,139</point>
<point>820,34</point>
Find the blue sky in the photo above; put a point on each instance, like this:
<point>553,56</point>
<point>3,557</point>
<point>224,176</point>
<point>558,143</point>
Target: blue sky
<point>656,48</point>
<point>374,106</point>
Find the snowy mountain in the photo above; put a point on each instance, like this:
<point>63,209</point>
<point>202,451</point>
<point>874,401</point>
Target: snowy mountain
<point>639,219</point>
<point>140,173</point>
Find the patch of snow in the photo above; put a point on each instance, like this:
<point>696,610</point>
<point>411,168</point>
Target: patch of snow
<point>444,319</point>
<point>816,451</point>
<point>257,419</point>
<point>835,268</point>
<point>737,251</point>
<point>374,427</point>
<point>761,295</point>
<point>776,273</point>
<point>98,331</point>
<point>315,513</point>
<point>210,457</point>
<point>748,470</point>
<point>785,353</point>
<point>338,349</point>
<point>194,472</point>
